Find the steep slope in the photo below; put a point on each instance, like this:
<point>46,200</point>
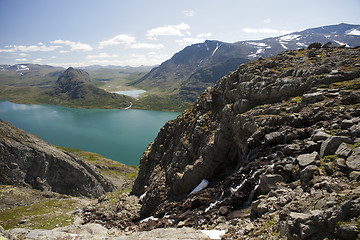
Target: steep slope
<point>74,88</point>
<point>264,136</point>
<point>27,160</point>
<point>196,67</point>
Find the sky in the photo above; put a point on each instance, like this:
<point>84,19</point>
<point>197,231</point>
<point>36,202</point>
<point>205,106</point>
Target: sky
<point>147,32</point>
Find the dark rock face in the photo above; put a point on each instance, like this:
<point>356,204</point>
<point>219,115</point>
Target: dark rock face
<point>27,160</point>
<point>261,146</point>
<point>210,139</point>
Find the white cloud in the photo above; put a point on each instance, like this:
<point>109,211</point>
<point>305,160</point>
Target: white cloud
<point>149,59</point>
<point>265,30</point>
<point>147,45</point>
<point>204,35</point>
<point>188,41</point>
<point>188,13</point>
<point>32,48</point>
<point>198,39</point>
<point>268,20</point>
<point>74,46</point>
<point>37,60</point>
<point>119,39</point>
<point>23,54</point>
<point>169,30</point>
<point>102,55</point>
<point>21,59</point>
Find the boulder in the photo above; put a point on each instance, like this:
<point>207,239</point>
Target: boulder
<point>306,224</point>
<point>330,145</point>
<point>320,136</point>
<point>355,175</point>
<point>273,137</point>
<point>328,45</point>
<point>352,98</point>
<point>291,148</point>
<point>341,164</point>
<point>269,181</point>
<point>259,207</point>
<point>348,231</point>
<point>353,162</point>
<point>308,173</point>
<point>307,159</point>
<point>315,46</point>
<point>355,131</point>
<point>346,123</point>
<point>343,150</point>
<point>312,97</point>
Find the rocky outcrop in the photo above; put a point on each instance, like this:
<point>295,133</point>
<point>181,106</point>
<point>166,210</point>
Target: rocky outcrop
<point>27,160</point>
<point>264,137</point>
<point>210,139</point>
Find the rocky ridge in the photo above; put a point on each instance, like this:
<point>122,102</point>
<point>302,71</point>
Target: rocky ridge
<point>278,142</point>
<point>26,160</point>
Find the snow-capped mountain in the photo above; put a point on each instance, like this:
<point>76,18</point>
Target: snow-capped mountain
<point>342,34</point>
<point>199,66</point>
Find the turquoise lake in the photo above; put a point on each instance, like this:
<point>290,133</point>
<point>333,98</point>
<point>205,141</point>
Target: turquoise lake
<point>121,135</point>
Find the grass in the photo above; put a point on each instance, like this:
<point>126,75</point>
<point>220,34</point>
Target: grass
<point>331,158</point>
<point>296,99</point>
<point>30,208</point>
<point>349,85</point>
<point>42,215</point>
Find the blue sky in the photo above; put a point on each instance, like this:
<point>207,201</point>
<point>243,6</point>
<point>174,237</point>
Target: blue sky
<point>148,32</point>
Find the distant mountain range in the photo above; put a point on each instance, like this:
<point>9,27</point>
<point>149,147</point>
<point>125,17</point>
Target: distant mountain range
<point>177,82</point>
<point>199,66</point>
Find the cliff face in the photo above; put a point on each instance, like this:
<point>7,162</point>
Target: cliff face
<point>27,160</point>
<point>275,120</point>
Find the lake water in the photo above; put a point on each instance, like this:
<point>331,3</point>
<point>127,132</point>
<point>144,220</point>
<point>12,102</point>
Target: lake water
<point>131,93</point>
<point>121,135</point>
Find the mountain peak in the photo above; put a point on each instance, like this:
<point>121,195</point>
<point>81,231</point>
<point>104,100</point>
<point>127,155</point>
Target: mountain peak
<point>72,77</point>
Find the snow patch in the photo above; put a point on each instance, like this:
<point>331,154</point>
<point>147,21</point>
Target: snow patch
<point>301,44</point>
<point>214,234</point>
<point>22,68</point>
<point>282,44</point>
<point>341,43</point>
<point>258,52</point>
<point>207,48</point>
<point>353,31</point>
<point>290,37</point>
<point>149,218</point>
<point>142,196</point>
<point>257,44</point>
<point>217,47</point>
<point>204,183</point>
